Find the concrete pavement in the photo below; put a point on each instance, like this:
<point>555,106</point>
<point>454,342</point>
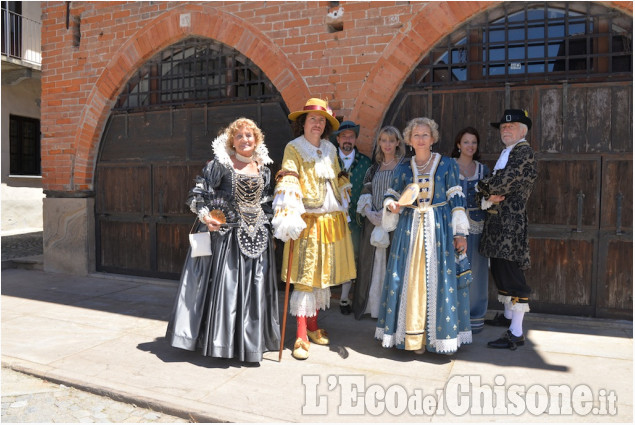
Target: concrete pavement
<point>105,333</point>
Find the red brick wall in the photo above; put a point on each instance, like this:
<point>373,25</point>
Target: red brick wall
<point>359,69</point>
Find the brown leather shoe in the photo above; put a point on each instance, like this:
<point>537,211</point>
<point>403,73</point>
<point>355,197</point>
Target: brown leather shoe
<point>301,349</point>
<point>319,337</point>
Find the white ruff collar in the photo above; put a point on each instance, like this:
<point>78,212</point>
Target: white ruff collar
<point>323,157</point>
<point>223,154</point>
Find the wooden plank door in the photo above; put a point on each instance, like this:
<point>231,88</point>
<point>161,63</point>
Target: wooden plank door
<point>146,167</point>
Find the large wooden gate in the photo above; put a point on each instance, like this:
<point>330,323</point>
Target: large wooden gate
<point>146,167</point>
<point>581,209</point>
<point>158,139</point>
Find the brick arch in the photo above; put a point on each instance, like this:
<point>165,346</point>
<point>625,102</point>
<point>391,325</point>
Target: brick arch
<point>158,34</point>
<point>406,50</point>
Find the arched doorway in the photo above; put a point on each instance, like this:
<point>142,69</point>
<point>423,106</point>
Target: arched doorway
<point>158,138</point>
<point>570,65</point>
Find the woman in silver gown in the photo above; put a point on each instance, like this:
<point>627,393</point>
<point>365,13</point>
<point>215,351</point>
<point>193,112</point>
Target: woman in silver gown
<point>227,303</point>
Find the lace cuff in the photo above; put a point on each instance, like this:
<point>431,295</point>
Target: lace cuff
<point>364,201</point>
<point>460,223</point>
<point>203,212</point>
<point>486,204</point>
<point>389,220</point>
<point>289,198</point>
<point>288,208</point>
<point>454,191</point>
<point>287,225</point>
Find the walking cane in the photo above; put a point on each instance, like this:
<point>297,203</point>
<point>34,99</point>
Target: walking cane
<point>286,299</point>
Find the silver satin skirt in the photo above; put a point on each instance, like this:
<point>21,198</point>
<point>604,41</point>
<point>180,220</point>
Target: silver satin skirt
<point>227,303</point>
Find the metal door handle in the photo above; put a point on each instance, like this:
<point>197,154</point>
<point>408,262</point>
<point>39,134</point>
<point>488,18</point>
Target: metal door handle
<point>618,219</point>
<point>580,205</point>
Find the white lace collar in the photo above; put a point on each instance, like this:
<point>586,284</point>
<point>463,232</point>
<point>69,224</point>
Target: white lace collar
<point>323,156</point>
<point>223,154</point>
<point>504,156</point>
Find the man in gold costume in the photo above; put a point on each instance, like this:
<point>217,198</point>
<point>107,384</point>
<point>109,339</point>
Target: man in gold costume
<point>310,206</point>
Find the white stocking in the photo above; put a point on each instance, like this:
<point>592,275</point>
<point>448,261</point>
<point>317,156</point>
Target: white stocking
<point>517,323</point>
<point>346,288</point>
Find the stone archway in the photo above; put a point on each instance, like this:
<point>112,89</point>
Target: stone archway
<point>69,244</point>
<point>157,141</point>
<point>205,21</point>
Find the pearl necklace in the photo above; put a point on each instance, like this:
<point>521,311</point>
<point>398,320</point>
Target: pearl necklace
<point>424,166</point>
<point>245,159</point>
<point>389,162</point>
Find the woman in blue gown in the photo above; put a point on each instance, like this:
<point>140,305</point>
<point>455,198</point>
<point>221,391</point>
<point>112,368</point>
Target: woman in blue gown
<point>423,308</point>
<point>466,155</point>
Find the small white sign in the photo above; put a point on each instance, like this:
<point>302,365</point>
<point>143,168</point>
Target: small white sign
<point>186,20</point>
<point>515,65</point>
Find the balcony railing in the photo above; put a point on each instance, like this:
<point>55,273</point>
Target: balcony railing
<point>21,38</point>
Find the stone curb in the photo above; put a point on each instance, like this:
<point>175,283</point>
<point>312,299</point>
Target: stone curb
<point>190,411</point>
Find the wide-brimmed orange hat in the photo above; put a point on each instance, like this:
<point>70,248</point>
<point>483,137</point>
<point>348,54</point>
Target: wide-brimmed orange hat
<point>318,106</point>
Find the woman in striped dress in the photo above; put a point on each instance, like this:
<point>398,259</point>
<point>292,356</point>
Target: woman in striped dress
<point>371,267</point>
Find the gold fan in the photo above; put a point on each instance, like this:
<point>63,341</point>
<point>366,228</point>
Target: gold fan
<point>409,195</point>
<point>218,215</point>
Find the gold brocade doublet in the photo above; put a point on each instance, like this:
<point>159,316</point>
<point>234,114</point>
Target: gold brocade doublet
<point>315,168</point>
<point>323,251</point>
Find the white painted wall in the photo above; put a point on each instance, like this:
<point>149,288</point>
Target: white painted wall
<point>21,197</point>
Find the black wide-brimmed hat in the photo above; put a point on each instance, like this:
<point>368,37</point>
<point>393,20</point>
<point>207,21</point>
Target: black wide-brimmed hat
<point>514,115</point>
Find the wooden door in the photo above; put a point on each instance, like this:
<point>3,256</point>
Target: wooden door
<point>615,264</point>
<point>147,163</point>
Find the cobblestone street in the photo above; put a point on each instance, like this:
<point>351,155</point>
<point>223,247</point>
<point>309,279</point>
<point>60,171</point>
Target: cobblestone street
<point>28,399</point>
<point>21,245</point>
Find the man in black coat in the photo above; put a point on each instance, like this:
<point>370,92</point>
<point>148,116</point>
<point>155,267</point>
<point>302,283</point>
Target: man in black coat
<point>504,239</point>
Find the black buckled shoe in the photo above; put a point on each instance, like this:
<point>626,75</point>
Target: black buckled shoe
<point>507,340</point>
<point>346,309</point>
<point>499,320</point>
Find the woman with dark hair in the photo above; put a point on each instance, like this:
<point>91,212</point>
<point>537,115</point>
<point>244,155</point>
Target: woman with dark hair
<point>466,154</point>
<point>227,302</point>
<point>371,268</point>
<point>311,207</point>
